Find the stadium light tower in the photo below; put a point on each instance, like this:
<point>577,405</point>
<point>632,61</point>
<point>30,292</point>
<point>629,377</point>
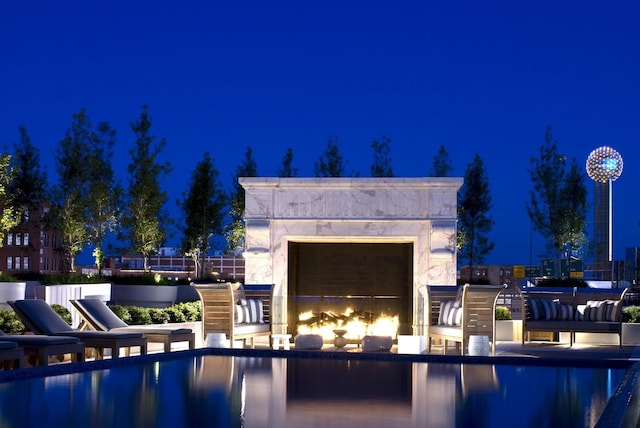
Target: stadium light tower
<point>604,165</point>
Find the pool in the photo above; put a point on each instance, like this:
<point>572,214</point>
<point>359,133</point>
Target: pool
<point>263,388</point>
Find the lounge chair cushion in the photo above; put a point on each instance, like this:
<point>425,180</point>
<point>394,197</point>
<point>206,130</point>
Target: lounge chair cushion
<point>37,339</point>
<point>151,330</point>
<point>45,318</point>
<point>101,335</point>
<point>101,314</point>
<point>8,345</point>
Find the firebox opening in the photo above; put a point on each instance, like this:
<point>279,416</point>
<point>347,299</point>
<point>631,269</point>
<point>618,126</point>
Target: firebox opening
<point>334,284</point>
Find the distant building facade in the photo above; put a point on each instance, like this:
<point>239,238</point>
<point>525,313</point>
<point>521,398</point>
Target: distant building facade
<point>32,246</point>
<point>493,274</point>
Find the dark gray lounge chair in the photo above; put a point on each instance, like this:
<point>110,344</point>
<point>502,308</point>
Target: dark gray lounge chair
<point>98,316</point>
<point>42,347</point>
<point>40,318</point>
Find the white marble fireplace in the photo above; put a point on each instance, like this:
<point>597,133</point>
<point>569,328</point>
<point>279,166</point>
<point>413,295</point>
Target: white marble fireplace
<point>420,212</point>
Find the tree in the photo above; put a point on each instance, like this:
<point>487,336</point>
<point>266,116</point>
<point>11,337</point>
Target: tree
<point>381,166</point>
<point>72,159</point>
<point>474,220</point>
<point>235,231</point>
<point>330,163</point>
<point>29,186</point>
<point>203,211</point>
<point>103,194</point>
<point>575,210</point>
<point>557,205</point>
<point>286,170</point>
<point>10,216</point>
<point>441,164</point>
<point>145,217</point>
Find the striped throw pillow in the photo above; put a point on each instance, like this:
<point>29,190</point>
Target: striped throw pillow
<point>445,308</point>
<point>603,310</point>
<point>241,314</point>
<point>536,309</point>
<point>256,310</point>
<point>455,316</point>
<point>565,312</point>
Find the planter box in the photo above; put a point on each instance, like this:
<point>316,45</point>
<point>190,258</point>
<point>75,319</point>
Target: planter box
<point>146,296</point>
<point>631,334</point>
<point>61,294</point>
<point>508,330</point>
<point>11,291</point>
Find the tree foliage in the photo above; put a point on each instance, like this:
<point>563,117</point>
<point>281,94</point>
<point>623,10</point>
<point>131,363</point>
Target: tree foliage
<point>29,186</point>
<point>103,194</point>
<point>442,166</point>
<point>72,158</point>
<point>87,197</point>
<point>203,208</point>
<point>381,166</point>
<point>235,230</point>
<point>474,220</point>
<point>10,216</point>
<point>145,220</point>
<point>557,205</point>
<point>330,163</point>
<point>287,169</point>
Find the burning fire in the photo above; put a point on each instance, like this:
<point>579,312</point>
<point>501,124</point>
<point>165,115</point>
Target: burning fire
<point>355,324</point>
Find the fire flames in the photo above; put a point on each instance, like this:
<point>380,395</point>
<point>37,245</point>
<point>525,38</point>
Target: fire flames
<point>356,324</point>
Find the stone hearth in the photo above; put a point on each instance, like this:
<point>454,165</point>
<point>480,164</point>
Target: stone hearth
<point>416,211</point>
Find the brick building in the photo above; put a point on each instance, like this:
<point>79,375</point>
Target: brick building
<point>31,246</point>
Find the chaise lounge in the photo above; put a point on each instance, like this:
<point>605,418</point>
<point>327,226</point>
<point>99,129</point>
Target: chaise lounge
<point>41,347</point>
<point>40,318</point>
<point>98,316</point>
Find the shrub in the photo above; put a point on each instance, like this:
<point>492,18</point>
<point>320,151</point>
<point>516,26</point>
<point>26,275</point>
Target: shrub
<point>72,278</point>
<point>631,314</point>
<point>63,312</point>
<point>5,277</point>
<point>158,316</point>
<point>180,312</point>
<point>144,279</point>
<point>192,310</point>
<point>503,313</point>
<point>139,316</point>
<point>10,322</point>
<point>175,314</point>
<point>122,312</point>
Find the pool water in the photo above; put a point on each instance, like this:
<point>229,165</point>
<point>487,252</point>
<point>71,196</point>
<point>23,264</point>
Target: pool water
<point>201,390</point>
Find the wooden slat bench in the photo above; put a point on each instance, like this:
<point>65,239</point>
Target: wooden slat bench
<point>477,318</point>
<point>219,305</point>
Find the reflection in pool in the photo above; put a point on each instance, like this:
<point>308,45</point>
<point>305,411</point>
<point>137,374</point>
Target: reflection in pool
<point>234,391</point>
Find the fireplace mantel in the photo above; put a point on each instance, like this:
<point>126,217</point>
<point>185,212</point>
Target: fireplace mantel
<point>420,211</point>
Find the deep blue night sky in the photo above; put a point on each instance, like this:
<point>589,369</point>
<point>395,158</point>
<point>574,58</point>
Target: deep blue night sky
<point>476,77</point>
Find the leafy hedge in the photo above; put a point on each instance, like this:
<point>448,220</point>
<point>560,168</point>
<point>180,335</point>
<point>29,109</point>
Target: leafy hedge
<point>631,314</point>
<point>502,313</point>
<point>132,315</point>
<point>180,312</point>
